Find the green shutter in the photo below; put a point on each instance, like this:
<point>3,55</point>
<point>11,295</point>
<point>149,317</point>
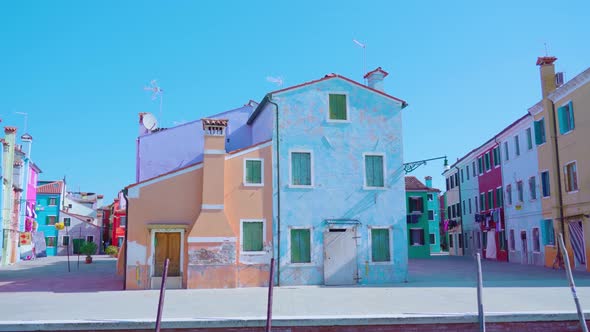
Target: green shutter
<point>252,232</point>
<point>301,168</point>
<point>538,140</point>
<point>374,171</point>
<point>337,107</point>
<point>529,138</point>
<point>300,246</point>
<point>380,245</point>
<point>572,122</point>
<point>253,171</point>
<point>563,119</point>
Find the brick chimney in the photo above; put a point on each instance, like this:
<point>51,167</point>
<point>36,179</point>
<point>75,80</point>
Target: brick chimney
<point>27,141</point>
<point>547,69</point>
<point>375,78</point>
<point>428,181</point>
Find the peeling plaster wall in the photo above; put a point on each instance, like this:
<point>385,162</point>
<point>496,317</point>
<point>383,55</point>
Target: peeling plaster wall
<point>375,126</point>
<point>156,157</point>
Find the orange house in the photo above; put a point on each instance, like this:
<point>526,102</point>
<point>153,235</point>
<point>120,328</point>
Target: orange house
<point>213,220</point>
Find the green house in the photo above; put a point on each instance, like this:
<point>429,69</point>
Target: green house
<point>422,217</point>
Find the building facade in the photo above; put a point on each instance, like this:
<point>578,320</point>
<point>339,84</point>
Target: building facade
<point>78,229</point>
<point>453,223</point>
<point>10,225</point>
<point>49,202</point>
<point>422,217</point>
<point>468,191</point>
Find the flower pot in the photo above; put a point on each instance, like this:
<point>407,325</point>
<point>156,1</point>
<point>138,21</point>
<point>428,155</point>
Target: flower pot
<point>88,259</point>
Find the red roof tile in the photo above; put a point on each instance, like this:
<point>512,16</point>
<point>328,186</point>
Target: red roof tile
<point>545,60</point>
<point>413,184</point>
<point>51,188</point>
<point>375,71</point>
<point>214,122</point>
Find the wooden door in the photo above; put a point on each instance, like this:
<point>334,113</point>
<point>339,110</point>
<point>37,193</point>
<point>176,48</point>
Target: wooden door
<point>340,267</point>
<point>167,246</point>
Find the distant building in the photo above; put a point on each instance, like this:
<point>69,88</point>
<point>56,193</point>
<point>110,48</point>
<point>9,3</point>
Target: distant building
<point>78,229</point>
<point>50,197</point>
<point>422,217</point>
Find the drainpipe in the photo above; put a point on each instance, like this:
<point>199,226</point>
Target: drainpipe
<point>460,208</point>
<point>558,171</point>
<point>125,190</point>
<point>278,170</point>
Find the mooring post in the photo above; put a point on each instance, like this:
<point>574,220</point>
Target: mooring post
<point>570,278</point>
<point>482,318</point>
<point>269,303</point>
<point>162,290</point>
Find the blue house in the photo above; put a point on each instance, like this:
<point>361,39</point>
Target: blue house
<point>339,197</point>
<point>50,196</point>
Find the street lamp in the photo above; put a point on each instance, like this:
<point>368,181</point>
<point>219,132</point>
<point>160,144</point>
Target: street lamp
<point>411,166</point>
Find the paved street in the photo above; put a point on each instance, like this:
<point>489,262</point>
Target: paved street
<point>437,286</point>
<point>50,274</point>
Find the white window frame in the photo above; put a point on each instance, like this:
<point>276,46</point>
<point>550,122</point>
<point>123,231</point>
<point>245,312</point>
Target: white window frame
<point>535,188</point>
<point>517,193</point>
<point>529,134</point>
<point>388,228</point>
<point>511,240</point>
<point>489,154</point>
<point>433,235</point>
<point>541,183</point>
<point>311,159</point>
<point>55,222</point>
<point>517,151</point>
<point>328,107</point>
<point>499,149</point>
<point>410,236</point>
<point>87,236</point>
<point>533,239</point>
<point>244,171</point>
<point>54,242</point>
<point>311,256</point>
<point>49,201</point>
<point>567,178</point>
<point>252,253</point>
<point>61,240</point>
<point>428,215</point>
<point>382,154</point>
<point>431,199</point>
<point>506,152</point>
<point>508,191</point>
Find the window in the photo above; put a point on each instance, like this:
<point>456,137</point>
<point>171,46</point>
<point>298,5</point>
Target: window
<point>506,154</point>
<point>380,251</point>
<point>482,201</point>
<point>548,232</point>
<point>571,177</point>
<point>50,241</point>
<point>454,210</point>
<point>448,186</point>
<point>502,239</point>
<point>460,240</point>
<point>52,201</point>
<point>449,212</point>
<point>476,206</point>
<point>416,204</point>
<point>479,166</point>
<point>89,238</point>
<point>533,187</point>
<point>484,238</point>
<point>416,236</point>
<point>509,194</point>
<point>430,215</point>
<point>512,240</point>
<point>499,197</point>
<point>457,179</point>
<point>462,178</point>
<point>451,240</point>
<point>466,240</point>
<point>374,171</point>
<point>540,132</point>
<point>301,168</point>
<point>338,107</point>
<point>430,197</point>
<point>123,221</point>
<point>463,206</point>
<point>519,190</point>
<point>467,171</point>
<point>529,139</point>
<point>452,181</point>
<point>469,205</point>
<point>496,156</point>
<point>252,235</point>
<point>67,221</point>
<point>301,245</point>
<point>473,167</point>
<point>516,146</point>
<point>65,240</point>
<point>487,161</point>
<point>566,118</point>
<point>490,199</point>
<point>253,170</point>
<point>545,184</point>
<point>432,239</point>
<point>458,210</point>
<point>50,220</point>
<point>536,240</point>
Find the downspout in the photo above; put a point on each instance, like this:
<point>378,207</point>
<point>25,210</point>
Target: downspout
<point>460,208</point>
<point>126,232</point>
<point>558,171</point>
<point>502,194</point>
<point>278,170</point>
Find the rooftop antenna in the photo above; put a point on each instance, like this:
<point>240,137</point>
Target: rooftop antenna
<point>546,52</point>
<point>156,92</point>
<point>26,115</point>
<point>363,46</point>
<point>276,80</point>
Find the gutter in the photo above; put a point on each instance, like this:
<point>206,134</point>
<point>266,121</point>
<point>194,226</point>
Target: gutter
<point>125,191</point>
<point>558,171</point>
<point>268,98</point>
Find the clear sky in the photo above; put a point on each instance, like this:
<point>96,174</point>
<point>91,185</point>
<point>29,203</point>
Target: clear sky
<point>78,68</point>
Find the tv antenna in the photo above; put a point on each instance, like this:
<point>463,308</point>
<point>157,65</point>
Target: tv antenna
<point>546,52</point>
<point>26,115</point>
<point>157,92</point>
<point>363,46</point>
<point>276,80</point>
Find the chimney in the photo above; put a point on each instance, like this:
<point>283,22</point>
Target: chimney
<point>375,78</point>
<point>26,141</point>
<point>547,74</point>
<point>428,181</point>
<point>212,221</point>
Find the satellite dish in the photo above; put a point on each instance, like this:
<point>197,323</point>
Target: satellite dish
<point>149,121</point>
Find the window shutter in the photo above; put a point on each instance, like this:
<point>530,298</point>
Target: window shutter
<point>380,245</point>
<point>562,119</point>
<point>252,236</point>
<point>571,115</point>
<point>337,107</point>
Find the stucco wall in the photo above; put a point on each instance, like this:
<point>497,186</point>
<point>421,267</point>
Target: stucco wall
<point>469,192</point>
<point>375,126</point>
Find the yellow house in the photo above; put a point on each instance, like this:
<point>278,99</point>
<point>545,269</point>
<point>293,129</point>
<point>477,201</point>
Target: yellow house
<point>562,133</point>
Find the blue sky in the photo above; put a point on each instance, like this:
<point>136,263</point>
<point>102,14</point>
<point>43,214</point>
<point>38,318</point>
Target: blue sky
<point>78,68</point>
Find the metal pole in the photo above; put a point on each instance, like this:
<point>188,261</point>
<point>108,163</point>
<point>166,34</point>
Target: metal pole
<point>482,318</point>
<point>568,270</point>
<point>78,267</point>
<point>162,290</point>
<point>269,304</point>
<point>68,248</point>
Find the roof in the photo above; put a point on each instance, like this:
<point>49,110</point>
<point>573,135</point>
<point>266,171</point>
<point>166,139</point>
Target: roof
<point>413,184</point>
<point>54,187</point>
<point>35,167</point>
<point>260,106</point>
<point>378,70</point>
<point>214,122</point>
<point>85,219</point>
<point>545,60</point>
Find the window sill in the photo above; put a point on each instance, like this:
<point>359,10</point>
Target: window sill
<point>416,245</point>
<point>539,145</point>
<point>573,191</point>
<point>312,264</point>
<point>253,253</point>
<point>253,184</point>
<point>547,197</point>
<point>568,132</point>
<point>374,188</point>
<point>297,186</point>
<point>337,121</point>
<point>381,263</point>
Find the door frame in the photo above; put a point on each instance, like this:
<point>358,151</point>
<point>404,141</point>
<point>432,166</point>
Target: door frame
<point>152,257</point>
<point>524,246</point>
<point>347,227</point>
